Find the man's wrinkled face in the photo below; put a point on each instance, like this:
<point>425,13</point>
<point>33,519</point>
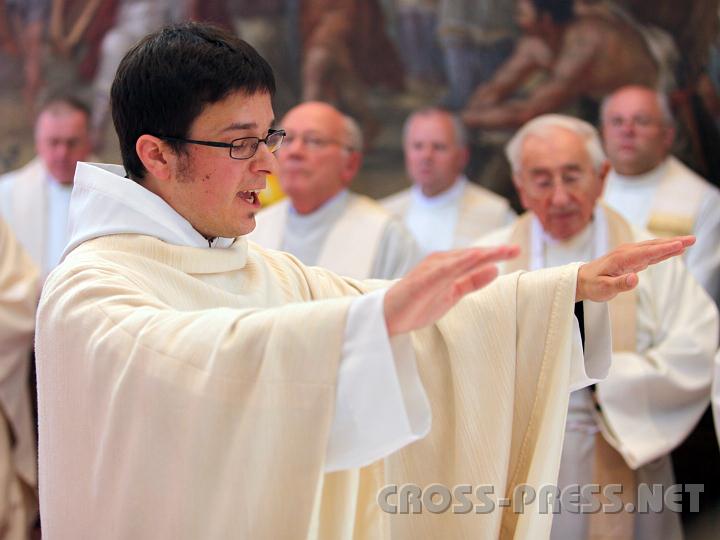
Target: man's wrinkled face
<point>216,193</point>
<point>433,157</point>
<point>558,182</point>
<point>61,140</point>
<point>315,161</point>
<point>636,136</point>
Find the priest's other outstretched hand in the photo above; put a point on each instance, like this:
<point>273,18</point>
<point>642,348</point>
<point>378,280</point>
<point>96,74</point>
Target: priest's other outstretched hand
<point>442,279</point>
<point>428,291</point>
<point>602,279</point>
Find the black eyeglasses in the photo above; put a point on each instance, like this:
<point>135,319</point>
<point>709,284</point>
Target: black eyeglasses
<point>242,148</point>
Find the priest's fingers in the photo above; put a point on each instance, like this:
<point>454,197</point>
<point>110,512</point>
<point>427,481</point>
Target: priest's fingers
<point>409,308</point>
<point>464,260</point>
<point>601,288</point>
<point>438,283</point>
<point>475,280</point>
<point>638,257</point>
<point>687,241</point>
<point>440,270</point>
<point>623,263</point>
<point>609,287</point>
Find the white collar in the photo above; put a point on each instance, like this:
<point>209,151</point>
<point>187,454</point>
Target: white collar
<point>105,203</point>
<point>329,211</point>
<point>446,197</point>
<point>539,238</point>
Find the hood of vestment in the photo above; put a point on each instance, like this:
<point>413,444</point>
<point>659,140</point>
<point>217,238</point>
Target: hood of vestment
<point>106,203</point>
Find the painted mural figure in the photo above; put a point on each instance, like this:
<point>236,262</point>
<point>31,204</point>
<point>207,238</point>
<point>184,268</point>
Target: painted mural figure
<point>583,56</point>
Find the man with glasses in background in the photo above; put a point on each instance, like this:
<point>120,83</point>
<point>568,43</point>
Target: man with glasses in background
<point>320,219</point>
<point>654,190</point>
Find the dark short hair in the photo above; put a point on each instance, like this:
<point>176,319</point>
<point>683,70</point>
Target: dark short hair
<point>560,11</point>
<point>165,81</point>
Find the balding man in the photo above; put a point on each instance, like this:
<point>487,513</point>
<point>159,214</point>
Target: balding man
<point>654,190</point>
<point>34,200</point>
<point>664,337</point>
<point>443,209</point>
<point>321,222</point>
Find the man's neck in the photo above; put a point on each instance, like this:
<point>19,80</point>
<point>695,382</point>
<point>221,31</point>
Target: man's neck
<point>430,192</point>
<point>56,181</point>
<point>153,185</point>
<point>307,205</point>
<point>635,173</point>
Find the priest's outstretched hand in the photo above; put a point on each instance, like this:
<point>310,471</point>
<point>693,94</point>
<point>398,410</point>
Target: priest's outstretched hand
<point>602,279</point>
<point>442,279</point>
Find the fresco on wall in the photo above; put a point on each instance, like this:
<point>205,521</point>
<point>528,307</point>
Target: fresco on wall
<point>496,62</point>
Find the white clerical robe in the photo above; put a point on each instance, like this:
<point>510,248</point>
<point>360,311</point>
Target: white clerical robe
<point>18,477</point>
<point>453,218</point>
<point>188,391</point>
<point>653,396</point>
<point>350,235</point>
<point>35,207</point>
<point>673,200</point>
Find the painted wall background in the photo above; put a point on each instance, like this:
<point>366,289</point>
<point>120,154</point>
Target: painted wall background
<point>379,59</point>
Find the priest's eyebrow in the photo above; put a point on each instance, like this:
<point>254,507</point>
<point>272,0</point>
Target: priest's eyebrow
<point>243,126</point>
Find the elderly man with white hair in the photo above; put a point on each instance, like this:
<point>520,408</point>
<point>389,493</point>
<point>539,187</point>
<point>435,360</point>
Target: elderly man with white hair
<point>654,190</point>
<point>443,209</point>
<point>321,222</point>
<point>664,336</point>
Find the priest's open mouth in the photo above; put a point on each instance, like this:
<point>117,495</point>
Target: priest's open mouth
<point>251,197</point>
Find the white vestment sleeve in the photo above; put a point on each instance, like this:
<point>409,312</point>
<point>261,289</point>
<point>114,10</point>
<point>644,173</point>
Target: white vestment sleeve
<point>381,404</point>
<point>592,366</point>
<point>703,260</point>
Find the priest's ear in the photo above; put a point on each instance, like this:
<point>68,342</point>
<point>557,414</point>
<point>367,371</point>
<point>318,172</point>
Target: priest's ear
<point>157,156</point>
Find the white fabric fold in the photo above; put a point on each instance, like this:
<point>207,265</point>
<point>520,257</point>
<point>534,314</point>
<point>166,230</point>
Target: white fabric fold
<point>381,404</point>
<point>592,365</point>
<point>105,203</point>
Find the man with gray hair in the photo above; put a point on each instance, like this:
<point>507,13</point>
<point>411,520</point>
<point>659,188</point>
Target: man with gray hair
<point>443,209</point>
<point>321,222</point>
<point>654,190</point>
<point>622,431</point>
